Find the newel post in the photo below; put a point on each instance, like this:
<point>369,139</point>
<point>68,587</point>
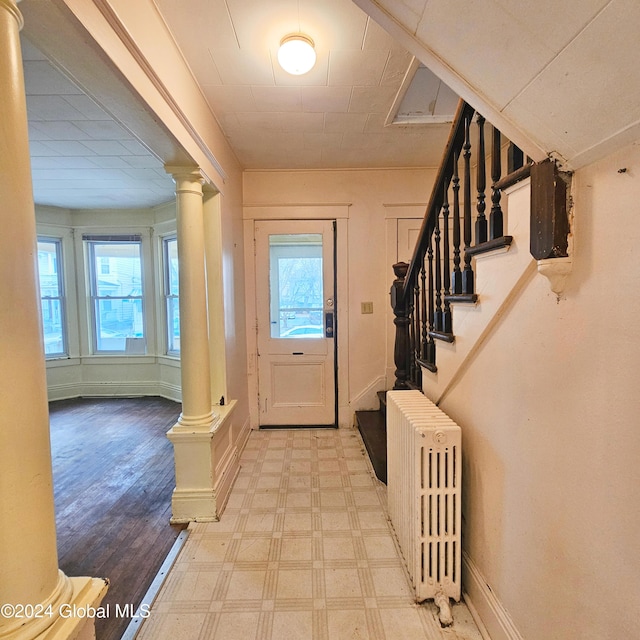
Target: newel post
<point>401,321</point>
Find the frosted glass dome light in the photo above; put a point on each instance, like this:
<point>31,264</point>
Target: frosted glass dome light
<point>296,54</point>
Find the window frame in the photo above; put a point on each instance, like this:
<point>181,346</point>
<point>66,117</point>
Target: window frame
<point>169,297</point>
<point>61,297</point>
<point>90,242</point>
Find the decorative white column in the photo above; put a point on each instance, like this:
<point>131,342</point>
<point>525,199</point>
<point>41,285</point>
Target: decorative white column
<point>30,581</point>
<point>194,497</point>
<point>194,330</point>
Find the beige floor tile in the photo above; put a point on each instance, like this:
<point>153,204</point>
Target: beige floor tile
<point>292,624</point>
<point>366,497</point>
<point>332,499</point>
<point>298,499</point>
<point>347,625</point>
<point>297,522</point>
<point>342,583</point>
<point>300,482</point>
<point>303,551</point>
<point>209,549</point>
<point>372,520</point>
<point>236,626</point>
<point>330,480</point>
<point>267,499</point>
<point>335,521</point>
<point>338,548</point>
<point>261,521</point>
<point>246,585</point>
<point>174,626</point>
<point>254,550</point>
<point>390,581</point>
<point>294,584</point>
<point>196,585</point>
<point>268,482</point>
<point>380,547</point>
<point>403,624</point>
<point>296,549</point>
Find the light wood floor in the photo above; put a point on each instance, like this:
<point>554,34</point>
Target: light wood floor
<point>113,477</point>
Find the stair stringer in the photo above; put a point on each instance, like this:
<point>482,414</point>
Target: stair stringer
<point>500,276</point>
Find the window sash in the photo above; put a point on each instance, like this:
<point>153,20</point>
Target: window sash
<point>118,320</point>
<point>53,302</point>
<point>171,295</point>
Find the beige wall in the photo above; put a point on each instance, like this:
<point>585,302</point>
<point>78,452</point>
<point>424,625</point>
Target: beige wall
<point>370,194</point>
<point>549,409</point>
<point>233,293</point>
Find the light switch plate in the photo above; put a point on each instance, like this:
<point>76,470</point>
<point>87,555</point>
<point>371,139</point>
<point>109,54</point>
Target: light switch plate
<point>366,307</point>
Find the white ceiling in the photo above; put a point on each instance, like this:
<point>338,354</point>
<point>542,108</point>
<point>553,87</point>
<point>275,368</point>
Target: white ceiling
<point>333,117</point>
<point>81,157</point>
<point>562,78</point>
<point>558,78</point>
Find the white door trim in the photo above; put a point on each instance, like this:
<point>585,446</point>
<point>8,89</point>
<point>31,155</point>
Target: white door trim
<point>322,212</point>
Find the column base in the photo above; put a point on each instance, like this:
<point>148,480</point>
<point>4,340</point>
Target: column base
<point>206,465</point>
<point>194,506</point>
<point>75,616</point>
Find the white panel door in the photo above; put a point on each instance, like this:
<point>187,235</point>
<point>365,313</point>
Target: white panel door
<point>408,233</point>
<point>296,322</point>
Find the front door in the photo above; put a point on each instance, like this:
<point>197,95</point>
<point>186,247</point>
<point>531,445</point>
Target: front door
<point>296,322</point>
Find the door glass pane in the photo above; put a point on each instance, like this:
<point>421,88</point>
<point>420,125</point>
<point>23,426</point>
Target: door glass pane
<point>296,288</point>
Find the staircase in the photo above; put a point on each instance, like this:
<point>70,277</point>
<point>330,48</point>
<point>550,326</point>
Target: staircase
<point>373,429</point>
<point>475,262</point>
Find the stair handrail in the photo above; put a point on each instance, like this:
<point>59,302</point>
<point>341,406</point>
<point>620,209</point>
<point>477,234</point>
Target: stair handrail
<point>455,142</point>
<point>441,271</point>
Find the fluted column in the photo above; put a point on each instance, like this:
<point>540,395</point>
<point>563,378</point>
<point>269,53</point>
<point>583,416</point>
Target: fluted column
<point>29,574</point>
<point>194,331</point>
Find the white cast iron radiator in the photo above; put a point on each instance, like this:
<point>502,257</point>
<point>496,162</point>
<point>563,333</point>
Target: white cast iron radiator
<point>424,468</point>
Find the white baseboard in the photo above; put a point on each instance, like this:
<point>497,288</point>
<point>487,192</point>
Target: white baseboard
<point>493,620</point>
<point>114,390</point>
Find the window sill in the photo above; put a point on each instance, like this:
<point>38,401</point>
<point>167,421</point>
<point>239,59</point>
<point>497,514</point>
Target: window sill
<point>118,359</point>
<point>61,361</point>
<point>170,361</point>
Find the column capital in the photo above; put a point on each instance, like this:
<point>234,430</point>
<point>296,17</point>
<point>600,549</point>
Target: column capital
<point>12,7</point>
<point>181,171</point>
<point>187,179</point>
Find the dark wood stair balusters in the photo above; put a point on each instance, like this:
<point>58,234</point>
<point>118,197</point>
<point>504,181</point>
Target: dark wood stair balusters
<point>468,284</point>
<point>401,322</point>
<point>481,185</point>
<point>440,272</point>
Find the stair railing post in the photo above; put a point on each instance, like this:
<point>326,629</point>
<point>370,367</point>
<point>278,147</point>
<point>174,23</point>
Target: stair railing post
<point>430,355</point>
<point>495,217</point>
<point>481,185</point>
<point>423,313</point>
<point>446,263</point>
<point>468,285</point>
<point>456,279</point>
<point>401,321</point>
<point>438,312</point>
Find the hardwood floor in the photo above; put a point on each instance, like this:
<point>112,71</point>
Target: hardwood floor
<point>113,477</point>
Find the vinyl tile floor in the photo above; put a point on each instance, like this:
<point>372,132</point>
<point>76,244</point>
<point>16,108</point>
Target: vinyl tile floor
<point>303,550</point>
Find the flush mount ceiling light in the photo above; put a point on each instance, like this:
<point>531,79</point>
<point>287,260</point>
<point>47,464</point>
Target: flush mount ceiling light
<point>296,54</point>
